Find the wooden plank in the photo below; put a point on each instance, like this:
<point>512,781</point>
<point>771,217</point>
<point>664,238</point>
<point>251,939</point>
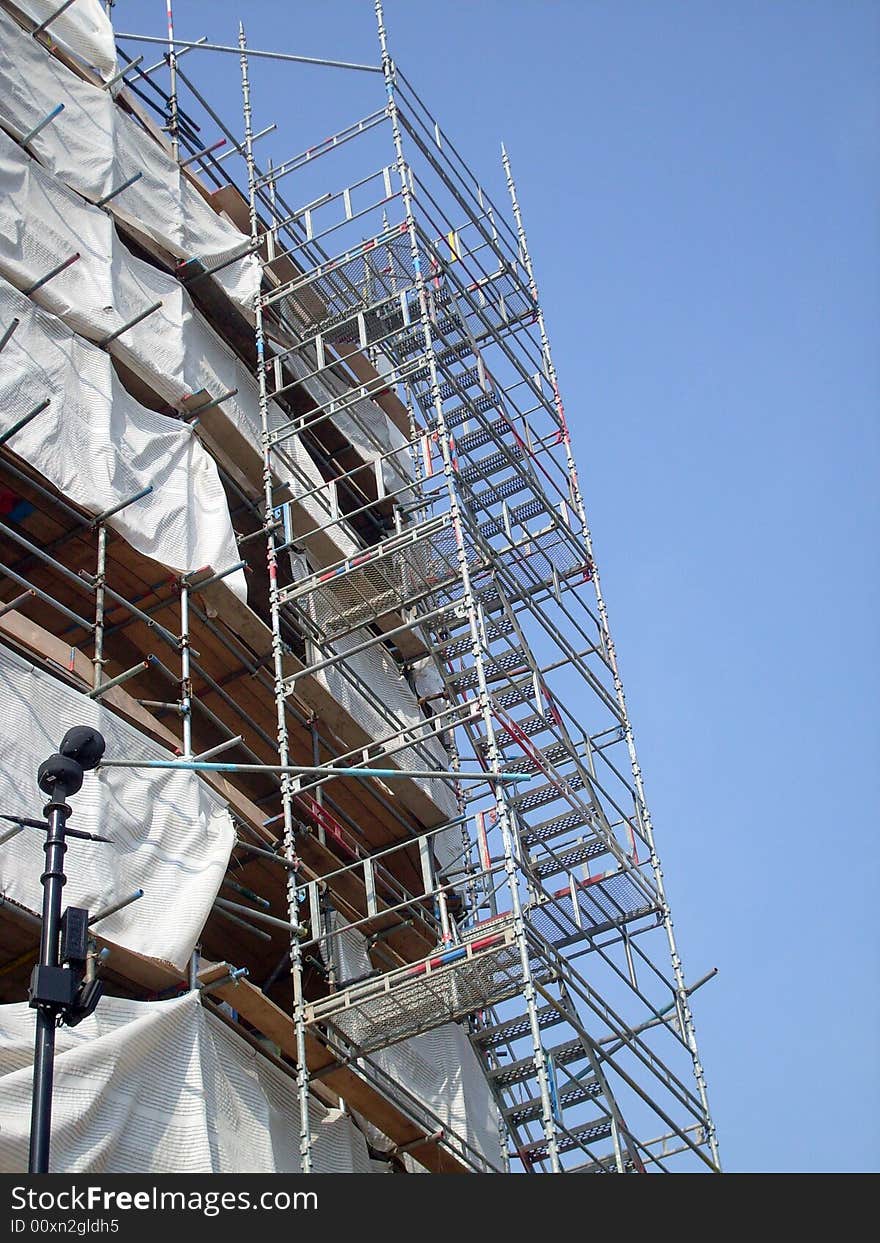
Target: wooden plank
<point>384,397</point>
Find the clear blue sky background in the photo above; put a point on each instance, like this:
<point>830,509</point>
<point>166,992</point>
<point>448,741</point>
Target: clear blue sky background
<point>700,184</point>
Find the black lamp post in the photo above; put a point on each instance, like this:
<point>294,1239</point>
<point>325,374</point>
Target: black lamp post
<point>59,993</point>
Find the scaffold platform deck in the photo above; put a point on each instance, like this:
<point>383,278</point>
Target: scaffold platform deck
<point>482,971</point>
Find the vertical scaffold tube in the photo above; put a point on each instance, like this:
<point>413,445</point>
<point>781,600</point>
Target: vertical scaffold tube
<point>173,129</point>
<point>185,672</point>
<point>100,582</point>
<point>493,753</point>
<point>682,1003</point>
<point>289,838</point>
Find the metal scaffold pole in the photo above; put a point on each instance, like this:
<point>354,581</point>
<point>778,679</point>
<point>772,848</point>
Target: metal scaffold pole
<point>286,783</point>
<point>681,1000</point>
<point>173,124</point>
<point>493,753</point>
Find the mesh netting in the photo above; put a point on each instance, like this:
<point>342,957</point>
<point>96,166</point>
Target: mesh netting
<point>422,996</point>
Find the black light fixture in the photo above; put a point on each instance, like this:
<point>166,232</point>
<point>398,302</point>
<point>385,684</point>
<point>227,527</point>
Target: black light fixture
<point>60,991</point>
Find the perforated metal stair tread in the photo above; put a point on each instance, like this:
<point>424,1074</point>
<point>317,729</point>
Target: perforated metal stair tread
<point>480,403</point>
<point>511,663</point>
<point>546,794</point>
<point>414,342</point>
<point>521,693</point>
<point>602,905</point>
<point>498,492</point>
<point>453,648</point>
<point>524,1068</point>
<point>545,832</point>
<point>450,354</point>
<point>517,514</point>
<point>529,725</point>
<point>569,857</point>
<point>515,1029</point>
<point>607,1165</point>
<point>489,465</point>
<point>567,1097</point>
<point>496,430</point>
<point>586,1133</point>
<point>463,381</point>
<point>554,756</point>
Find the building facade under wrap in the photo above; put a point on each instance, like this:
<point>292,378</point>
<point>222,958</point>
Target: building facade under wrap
<point>289,512</point>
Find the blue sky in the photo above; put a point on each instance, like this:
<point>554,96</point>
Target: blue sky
<point>700,187</point>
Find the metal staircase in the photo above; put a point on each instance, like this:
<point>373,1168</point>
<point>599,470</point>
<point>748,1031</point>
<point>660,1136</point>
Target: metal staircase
<point>482,563</point>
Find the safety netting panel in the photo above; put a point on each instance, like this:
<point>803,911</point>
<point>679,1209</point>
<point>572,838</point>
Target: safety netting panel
<point>163,1087</point>
<point>83,29</point>
<point>170,834</point>
<point>95,147</point>
<point>390,578</point>
<point>340,289</point>
<point>438,1067</point>
<point>100,447</point>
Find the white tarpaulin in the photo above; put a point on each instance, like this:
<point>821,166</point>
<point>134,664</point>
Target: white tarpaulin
<point>373,691</point>
<point>83,29</point>
<point>439,1067</point>
<point>171,834</point>
<point>364,424</point>
<point>99,446</point>
<point>174,349</point>
<point>163,1087</point>
<point>94,147</point>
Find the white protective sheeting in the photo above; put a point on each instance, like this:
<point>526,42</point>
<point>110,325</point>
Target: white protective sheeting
<point>373,691</point>
<point>448,845</point>
<point>163,1087</point>
<point>365,425</point>
<point>174,350</point>
<point>439,1067</point>
<point>98,446</point>
<point>83,29</point>
<point>171,834</point>
<point>93,147</point>
<point>431,692</point>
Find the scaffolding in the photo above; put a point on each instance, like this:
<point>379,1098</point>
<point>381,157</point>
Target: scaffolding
<point>419,722</point>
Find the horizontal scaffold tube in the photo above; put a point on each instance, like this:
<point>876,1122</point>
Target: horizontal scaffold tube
<point>202,45</point>
<point>325,769</point>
